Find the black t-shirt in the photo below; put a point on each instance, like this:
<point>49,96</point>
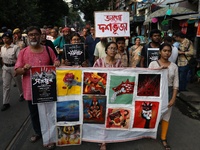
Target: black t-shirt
<point>144,53</point>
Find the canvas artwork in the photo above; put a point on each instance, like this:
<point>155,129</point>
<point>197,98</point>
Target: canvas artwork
<point>68,111</point>
<point>69,135</point>
<point>148,85</point>
<point>146,113</point>
<point>94,83</point>
<point>94,108</point>
<point>43,82</point>
<point>118,118</point>
<point>68,82</point>
<point>121,89</point>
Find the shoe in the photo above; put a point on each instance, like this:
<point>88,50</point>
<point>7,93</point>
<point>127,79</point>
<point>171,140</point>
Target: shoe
<point>34,138</point>
<point>21,99</point>
<point>5,107</point>
<point>166,146</point>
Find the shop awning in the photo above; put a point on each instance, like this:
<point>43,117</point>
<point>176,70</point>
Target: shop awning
<point>161,13</point>
<point>190,16</point>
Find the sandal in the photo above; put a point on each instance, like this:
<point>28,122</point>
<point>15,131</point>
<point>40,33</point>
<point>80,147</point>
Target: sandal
<point>34,138</point>
<point>103,146</point>
<point>166,146</point>
<point>50,146</point>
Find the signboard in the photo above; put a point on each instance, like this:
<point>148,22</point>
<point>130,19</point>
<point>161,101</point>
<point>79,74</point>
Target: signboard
<point>112,24</point>
<point>43,81</point>
<point>75,53</point>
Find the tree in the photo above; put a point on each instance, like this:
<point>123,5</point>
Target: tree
<point>23,13</point>
<point>87,7</point>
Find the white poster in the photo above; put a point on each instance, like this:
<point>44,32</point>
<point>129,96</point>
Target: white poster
<point>112,24</point>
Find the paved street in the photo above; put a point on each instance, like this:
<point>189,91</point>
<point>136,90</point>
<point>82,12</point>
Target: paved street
<point>183,134</point>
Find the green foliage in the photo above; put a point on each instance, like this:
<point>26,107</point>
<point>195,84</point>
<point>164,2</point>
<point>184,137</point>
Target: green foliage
<point>23,13</point>
<point>87,7</point>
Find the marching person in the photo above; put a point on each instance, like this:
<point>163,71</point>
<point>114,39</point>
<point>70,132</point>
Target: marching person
<point>185,52</point>
<point>109,61</point>
<point>155,36</point>
<point>37,55</point>
<point>9,54</point>
<point>173,83</point>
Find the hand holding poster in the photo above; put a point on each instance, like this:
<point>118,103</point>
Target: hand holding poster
<point>43,84</point>
<point>75,53</point>
<point>112,24</point>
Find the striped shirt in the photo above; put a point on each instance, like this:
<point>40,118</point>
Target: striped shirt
<point>101,62</point>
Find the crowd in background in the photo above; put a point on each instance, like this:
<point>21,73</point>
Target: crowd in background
<point>175,53</point>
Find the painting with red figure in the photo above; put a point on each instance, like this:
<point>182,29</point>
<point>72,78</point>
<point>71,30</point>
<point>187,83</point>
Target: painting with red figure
<point>118,118</point>
<point>146,113</point>
<point>94,83</point>
<point>149,85</point>
<point>94,108</point>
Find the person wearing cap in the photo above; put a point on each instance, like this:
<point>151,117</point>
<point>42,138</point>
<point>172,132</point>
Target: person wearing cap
<point>62,40</point>
<point>18,39</point>
<point>9,54</point>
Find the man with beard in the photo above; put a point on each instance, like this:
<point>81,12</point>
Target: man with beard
<point>37,55</point>
<point>99,51</point>
<point>155,36</point>
<point>62,40</point>
<point>122,53</point>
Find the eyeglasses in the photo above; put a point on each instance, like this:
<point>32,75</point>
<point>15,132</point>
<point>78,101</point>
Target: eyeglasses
<point>31,35</point>
<point>112,48</point>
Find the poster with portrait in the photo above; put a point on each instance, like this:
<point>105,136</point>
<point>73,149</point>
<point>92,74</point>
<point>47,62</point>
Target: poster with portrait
<point>152,55</point>
<point>75,53</point>
<point>43,83</point>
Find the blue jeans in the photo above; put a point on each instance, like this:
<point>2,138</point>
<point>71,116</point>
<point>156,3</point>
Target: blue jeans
<point>183,72</point>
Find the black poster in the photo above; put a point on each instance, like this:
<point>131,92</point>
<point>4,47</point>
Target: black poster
<point>43,81</point>
<point>152,55</point>
<point>75,53</point>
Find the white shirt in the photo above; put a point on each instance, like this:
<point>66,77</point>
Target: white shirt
<point>99,50</point>
<point>9,55</point>
<point>174,55</point>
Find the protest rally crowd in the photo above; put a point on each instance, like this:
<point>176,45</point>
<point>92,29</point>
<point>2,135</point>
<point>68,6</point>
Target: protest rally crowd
<point>20,50</point>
